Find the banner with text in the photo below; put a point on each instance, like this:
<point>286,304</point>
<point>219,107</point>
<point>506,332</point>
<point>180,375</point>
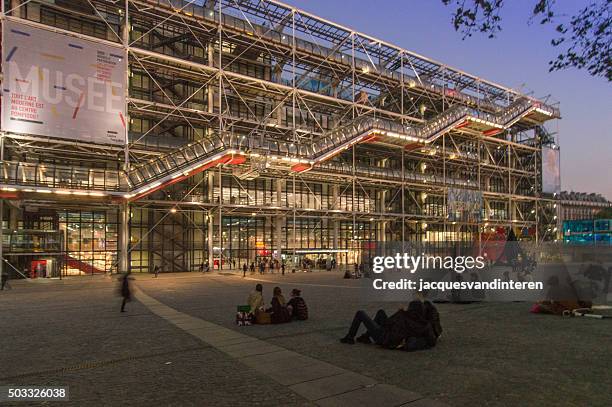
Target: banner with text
<point>60,86</point>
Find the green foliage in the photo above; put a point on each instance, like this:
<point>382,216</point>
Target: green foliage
<point>584,40</point>
<point>605,213</point>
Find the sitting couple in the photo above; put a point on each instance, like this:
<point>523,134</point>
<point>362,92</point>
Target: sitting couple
<point>281,311</point>
<point>417,327</point>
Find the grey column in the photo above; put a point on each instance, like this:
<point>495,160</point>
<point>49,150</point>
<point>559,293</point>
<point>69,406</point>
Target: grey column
<point>334,222</point>
<point>382,225</point>
<point>13,218</point>
<point>279,219</point>
<point>124,238</point>
<point>210,218</point>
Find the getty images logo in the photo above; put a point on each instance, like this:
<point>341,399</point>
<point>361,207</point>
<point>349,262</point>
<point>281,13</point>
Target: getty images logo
<point>406,262</point>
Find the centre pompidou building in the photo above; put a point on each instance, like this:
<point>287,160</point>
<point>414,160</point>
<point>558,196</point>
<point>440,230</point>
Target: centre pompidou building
<point>238,130</point>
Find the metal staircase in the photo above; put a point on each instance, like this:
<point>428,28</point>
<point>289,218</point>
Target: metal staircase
<point>164,170</point>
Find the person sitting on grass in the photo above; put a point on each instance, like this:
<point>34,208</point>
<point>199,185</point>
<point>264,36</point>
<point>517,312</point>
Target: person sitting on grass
<point>297,306</point>
<point>417,327</point>
<point>279,311</point>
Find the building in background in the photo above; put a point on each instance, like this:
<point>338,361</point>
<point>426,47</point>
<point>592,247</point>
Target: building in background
<point>142,133</point>
<point>581,205</point>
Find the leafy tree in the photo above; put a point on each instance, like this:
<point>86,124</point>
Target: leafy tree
<point>605,213</point>
<point>584,38</point>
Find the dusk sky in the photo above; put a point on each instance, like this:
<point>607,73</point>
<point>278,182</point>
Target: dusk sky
<point>518,58</point>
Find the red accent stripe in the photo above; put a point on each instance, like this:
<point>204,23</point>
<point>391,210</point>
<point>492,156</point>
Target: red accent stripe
<point>122,119</point>
<point>370,138</point>
<point>223,160</point>
<point>76,109</point>
<point>491,132</point>
<point>463,124</point>
<point>237,159</point>
<point>9,195</point>
<point>301,167</point>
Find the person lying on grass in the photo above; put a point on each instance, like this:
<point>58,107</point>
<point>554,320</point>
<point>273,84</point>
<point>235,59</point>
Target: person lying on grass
<point>417,327</point>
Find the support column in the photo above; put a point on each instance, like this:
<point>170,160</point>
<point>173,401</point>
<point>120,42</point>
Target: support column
<point>334,222</point>
<point>210,219</point>
<point>1,203</point>
<point>13,218</point>
<point>1,236</point>
<point>279,220</point>
<point>220,219</point>
<point>382,225</point>
<point>124,238</point>
<point>210,237</point>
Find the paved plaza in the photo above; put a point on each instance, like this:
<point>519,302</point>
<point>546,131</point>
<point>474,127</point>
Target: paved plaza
<point>178,345</point>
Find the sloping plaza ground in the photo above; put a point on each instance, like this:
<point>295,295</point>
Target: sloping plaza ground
<point>178,345</point>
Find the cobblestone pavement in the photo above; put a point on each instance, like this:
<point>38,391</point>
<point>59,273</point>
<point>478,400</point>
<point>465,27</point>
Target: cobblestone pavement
<point>491,353</point>
<point>71,333</point>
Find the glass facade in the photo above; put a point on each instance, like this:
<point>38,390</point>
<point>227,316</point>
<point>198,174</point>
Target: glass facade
<point>592,231</point>
<point>91,240</point>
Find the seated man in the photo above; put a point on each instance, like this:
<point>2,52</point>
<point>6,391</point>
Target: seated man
<point>418,327</point>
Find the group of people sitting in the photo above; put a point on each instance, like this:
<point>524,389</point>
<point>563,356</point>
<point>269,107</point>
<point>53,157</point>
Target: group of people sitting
<point>415,327</point>
<point>281,311</point>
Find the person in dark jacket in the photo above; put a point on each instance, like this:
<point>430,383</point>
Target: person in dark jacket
<point>297,306</point>
<point>126,292</point>
<point>5,279</point>
<point>408,329</point>
<point>279,311</point>
<point>433,317</point>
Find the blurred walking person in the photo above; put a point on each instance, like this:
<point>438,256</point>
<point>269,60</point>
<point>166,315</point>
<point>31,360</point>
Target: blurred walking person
<point>125,290</point>
<point>5,279</point>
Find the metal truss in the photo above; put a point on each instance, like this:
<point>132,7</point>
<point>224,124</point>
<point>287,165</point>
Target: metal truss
<point>235,87</point>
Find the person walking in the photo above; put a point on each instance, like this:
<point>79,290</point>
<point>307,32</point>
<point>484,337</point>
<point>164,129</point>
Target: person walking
<point>244,270</point>
<point>283,268</point>
<point>5,279</point>
<point>126,292</point>
<point>156,270</point>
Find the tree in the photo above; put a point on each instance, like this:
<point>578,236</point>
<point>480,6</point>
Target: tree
<point>605,213</point>
<point>584,38</point>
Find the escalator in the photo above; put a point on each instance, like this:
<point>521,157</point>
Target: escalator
<point>143,179</point>
<point>80,266</point>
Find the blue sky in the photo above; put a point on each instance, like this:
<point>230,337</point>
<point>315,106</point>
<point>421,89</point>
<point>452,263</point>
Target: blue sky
<point>518,58</point>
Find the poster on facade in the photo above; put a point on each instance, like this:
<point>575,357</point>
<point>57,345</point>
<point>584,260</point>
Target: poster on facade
<point>464,205</point>
<point>60,86</point>
<point>551,176</point>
